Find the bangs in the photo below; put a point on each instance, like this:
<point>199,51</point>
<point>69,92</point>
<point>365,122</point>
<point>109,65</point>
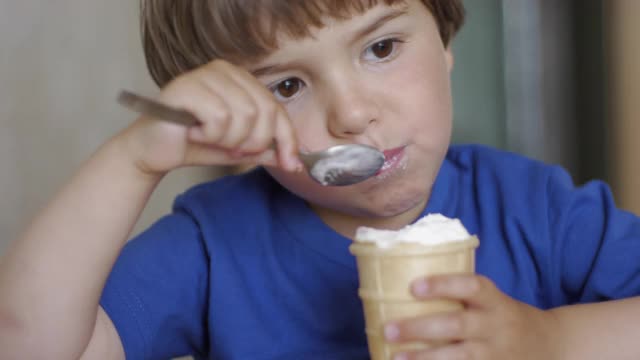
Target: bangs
<point>181,35</point>
<point>249,29</point>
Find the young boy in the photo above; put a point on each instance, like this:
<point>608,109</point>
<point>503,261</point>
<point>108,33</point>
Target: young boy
<point>257,266</point>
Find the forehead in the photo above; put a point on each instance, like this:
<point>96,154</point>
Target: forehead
<point>332,37</point>
<point>255,29</point>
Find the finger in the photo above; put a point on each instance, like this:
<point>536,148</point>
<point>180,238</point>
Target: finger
<point>241,103</point>
<point>473,290</point>
<point>457,351</point>
<point>200,154</point>
<point>263,132</point>
<point>286,143</point>
<point>268,108</point>
<point>284,133</point>
<point>241,106</point>
<point>439,328</point>
<point>209,109</point>
<point>266,158</point>
<point>248,81</point>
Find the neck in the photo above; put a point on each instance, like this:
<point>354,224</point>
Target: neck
<point>346,224</point>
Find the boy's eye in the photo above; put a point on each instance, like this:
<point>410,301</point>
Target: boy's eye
<point>287,88</point>
<point>382,49</point>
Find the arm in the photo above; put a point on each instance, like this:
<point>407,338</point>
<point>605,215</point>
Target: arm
<point>606,330</point>
<point>597,261</point>
<point>105,343</point>
<point>53,276</point>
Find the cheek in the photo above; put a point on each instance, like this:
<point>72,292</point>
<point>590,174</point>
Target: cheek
<point>425,99</point>
<point>309,125</point>
<point>424,79</point>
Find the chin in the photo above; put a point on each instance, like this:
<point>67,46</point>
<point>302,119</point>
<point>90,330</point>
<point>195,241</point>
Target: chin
<point>392,197</point>
<point>396,203</point>
<point>383,202</point>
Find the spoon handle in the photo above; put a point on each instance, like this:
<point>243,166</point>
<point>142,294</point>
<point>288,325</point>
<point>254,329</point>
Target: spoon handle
<point>156,109</point>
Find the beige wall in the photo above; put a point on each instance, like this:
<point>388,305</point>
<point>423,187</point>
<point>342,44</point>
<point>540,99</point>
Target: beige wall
<point>625,100</point>
<point>61,65</point>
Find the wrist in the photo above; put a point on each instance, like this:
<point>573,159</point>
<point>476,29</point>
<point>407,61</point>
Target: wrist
<point>130,149</point>
<point>124,147</point>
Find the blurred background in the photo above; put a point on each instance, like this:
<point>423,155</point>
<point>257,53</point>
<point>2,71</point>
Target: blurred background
<point>557,80</point>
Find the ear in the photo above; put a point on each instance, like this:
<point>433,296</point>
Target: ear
<point>448,57</point>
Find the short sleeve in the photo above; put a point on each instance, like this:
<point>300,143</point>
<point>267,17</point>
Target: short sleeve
<point>156,294</point>
<point>597,245</point>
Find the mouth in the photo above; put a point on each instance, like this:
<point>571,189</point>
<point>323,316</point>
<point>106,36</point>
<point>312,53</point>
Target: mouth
<point>392,159</point>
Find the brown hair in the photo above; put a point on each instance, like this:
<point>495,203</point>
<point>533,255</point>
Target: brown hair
<point>180,35</point>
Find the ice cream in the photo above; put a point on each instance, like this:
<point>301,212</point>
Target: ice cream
<point>388,261</point>
<point>432,229</point>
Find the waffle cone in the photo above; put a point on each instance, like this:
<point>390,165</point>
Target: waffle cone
<point>385,278</point>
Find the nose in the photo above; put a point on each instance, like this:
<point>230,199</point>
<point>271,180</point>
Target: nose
<point>352,108</point>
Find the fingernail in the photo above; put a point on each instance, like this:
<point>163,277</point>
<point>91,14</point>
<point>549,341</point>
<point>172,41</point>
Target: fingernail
<point>401,357</point>
<point>421,288</point>
<point>391,332</point>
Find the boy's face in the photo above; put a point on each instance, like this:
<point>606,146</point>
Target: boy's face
<point>382,79</point>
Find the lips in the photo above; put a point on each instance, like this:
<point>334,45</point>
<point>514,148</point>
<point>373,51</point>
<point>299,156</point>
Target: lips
<point>391,153</point>
<point>391,159</point>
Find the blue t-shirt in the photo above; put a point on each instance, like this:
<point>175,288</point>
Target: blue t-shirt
<point>243,269</point>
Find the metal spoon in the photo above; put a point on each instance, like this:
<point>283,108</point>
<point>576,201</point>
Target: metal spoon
<point>336,166</point>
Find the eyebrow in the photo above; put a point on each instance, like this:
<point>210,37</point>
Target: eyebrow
<point>368,29</point>
<point>379,22</point>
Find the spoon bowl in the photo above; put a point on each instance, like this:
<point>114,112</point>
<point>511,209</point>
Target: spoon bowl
<point>342,165</point>
<point>336,166</point>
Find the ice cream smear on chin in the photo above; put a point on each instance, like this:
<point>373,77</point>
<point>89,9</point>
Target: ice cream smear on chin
<point>432,229</point>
